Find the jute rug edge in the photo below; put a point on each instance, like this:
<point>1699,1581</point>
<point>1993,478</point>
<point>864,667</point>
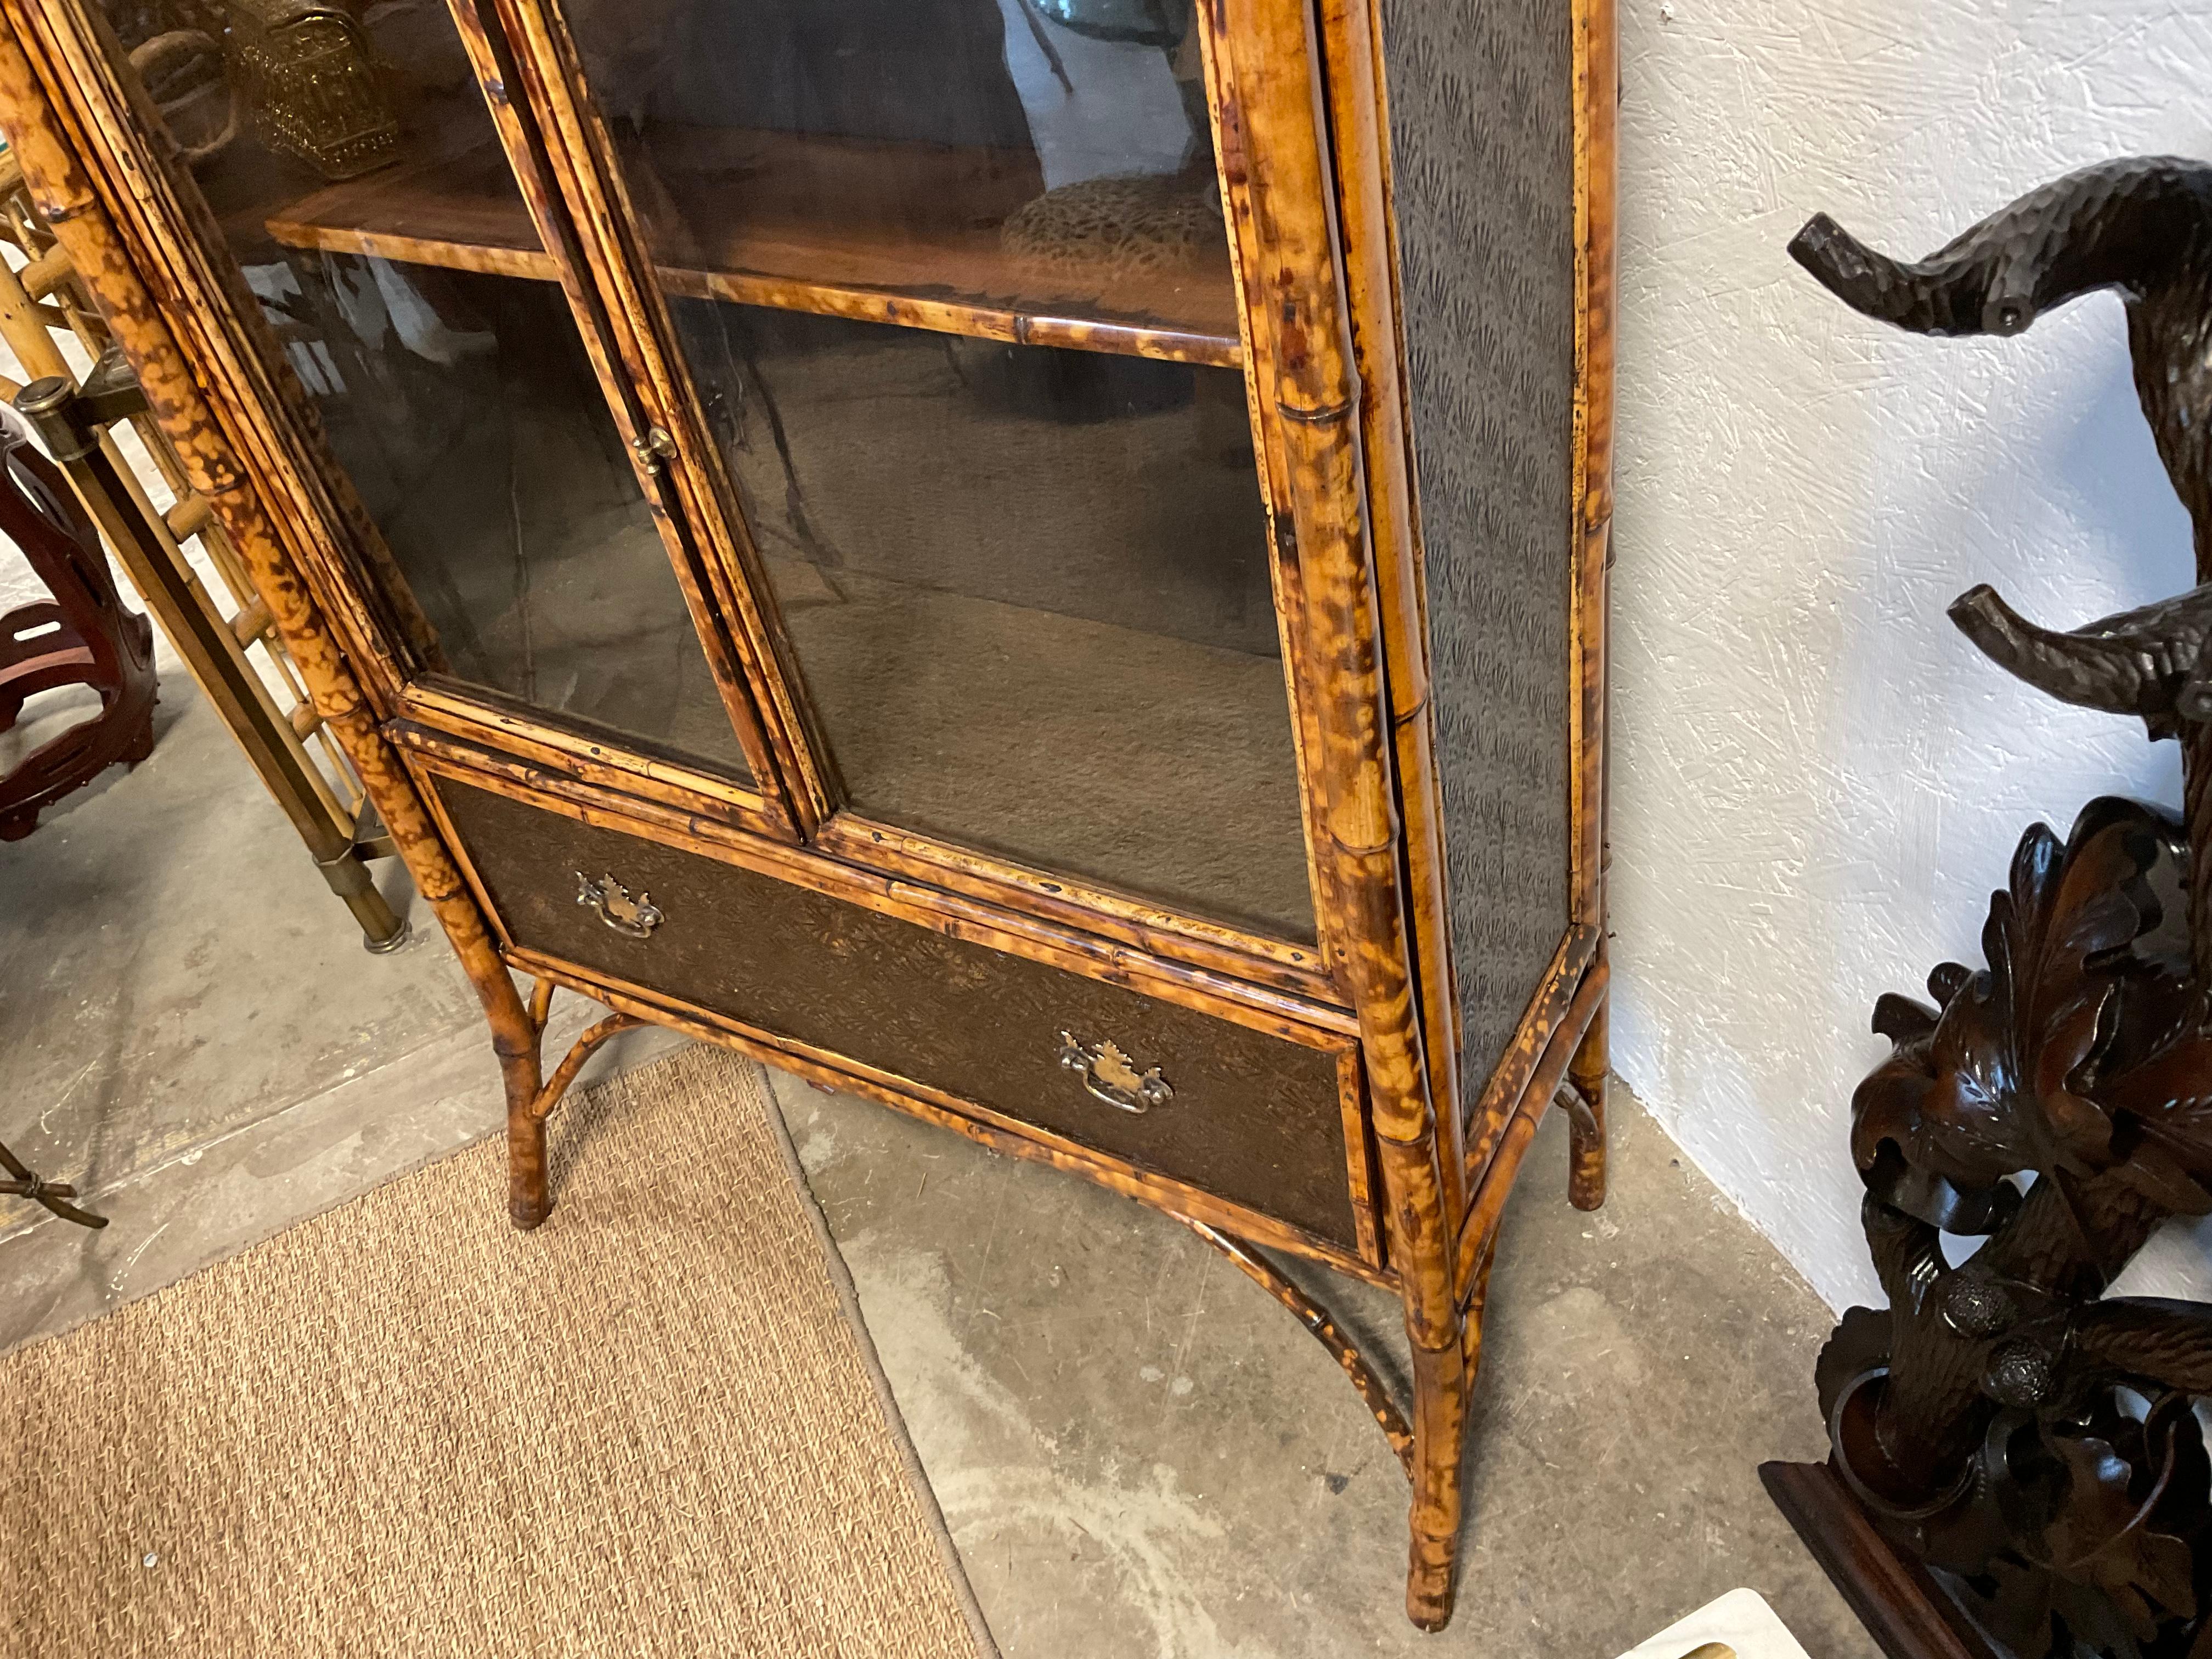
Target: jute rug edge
<point>833,1267</point>
<point>848,1298</point>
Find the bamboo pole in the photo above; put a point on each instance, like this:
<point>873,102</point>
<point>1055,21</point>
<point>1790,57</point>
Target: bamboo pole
<point>173,591</point>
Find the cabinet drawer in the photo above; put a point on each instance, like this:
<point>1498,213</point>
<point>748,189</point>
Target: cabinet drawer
<point>1253,1118</point>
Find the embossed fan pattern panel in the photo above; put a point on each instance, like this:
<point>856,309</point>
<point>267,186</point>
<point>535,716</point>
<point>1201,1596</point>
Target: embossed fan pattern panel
<point>1482,146</point>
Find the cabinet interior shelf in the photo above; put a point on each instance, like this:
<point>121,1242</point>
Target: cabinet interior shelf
<point>798,223</point>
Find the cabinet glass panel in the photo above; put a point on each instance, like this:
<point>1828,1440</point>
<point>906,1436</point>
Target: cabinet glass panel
<point>952,283</point>
<point>360,185</point>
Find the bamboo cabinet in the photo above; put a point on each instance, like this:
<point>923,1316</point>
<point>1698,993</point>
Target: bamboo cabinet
<point>1041,561</point>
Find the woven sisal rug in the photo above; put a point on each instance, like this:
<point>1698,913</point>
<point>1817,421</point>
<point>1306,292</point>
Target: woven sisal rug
<point>653,1427</point>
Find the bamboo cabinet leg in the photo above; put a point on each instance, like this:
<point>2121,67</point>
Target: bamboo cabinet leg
<point>1440,1392</point>
<point>1588,1071</point>
<point>529,1191</point>
<point>529,1194</point>
<point>1437,1335</point>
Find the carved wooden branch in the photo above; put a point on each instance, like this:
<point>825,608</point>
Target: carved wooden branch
<point>2144,662</point>
<point>2136,222</point>
<point>1998,1419</point>
<point>2142,225</point>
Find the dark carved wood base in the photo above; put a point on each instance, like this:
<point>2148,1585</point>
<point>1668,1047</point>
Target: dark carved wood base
<point>1896,1598</point>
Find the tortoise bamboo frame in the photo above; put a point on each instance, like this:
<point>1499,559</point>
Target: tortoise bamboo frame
<point>1297,95</point>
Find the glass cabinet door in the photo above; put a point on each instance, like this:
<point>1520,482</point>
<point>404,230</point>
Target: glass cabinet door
<point>361,188</point>
<point>952,285</point>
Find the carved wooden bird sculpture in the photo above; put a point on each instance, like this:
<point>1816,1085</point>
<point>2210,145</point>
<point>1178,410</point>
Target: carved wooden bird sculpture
<point>1986,1419</point>
<point>2142,225</point>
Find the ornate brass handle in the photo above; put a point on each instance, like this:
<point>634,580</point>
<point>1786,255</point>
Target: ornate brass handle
<point>634,917</point>
<point>1111,1076</point>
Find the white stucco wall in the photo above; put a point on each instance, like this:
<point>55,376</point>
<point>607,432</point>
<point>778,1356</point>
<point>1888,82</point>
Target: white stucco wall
<point>1817,781</point>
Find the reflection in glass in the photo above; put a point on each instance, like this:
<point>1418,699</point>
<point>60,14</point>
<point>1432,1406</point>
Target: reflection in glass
<point>489,460</point>
<point>1148,22</point>
<point>359,184</point>
<point>1029,592</point>
<point>816,153</point>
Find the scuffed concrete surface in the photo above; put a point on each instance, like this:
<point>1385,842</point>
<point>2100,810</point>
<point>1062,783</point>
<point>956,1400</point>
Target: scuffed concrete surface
<point>175,966</point>
<point>1142,1457</point>
<point>194,1037</point>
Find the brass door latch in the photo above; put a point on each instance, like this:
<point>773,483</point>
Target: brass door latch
<point>655,449</point>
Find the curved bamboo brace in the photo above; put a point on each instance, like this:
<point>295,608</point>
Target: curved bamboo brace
<point>541,1002</point>
<point>1315,1318</point>
<point>549,1095</point>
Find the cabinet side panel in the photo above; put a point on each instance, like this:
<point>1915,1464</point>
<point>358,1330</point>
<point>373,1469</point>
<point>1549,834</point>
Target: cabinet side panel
<point>1481,116</point>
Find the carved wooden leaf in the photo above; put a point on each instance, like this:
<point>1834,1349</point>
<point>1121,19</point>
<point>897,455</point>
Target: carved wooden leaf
<point>1995,1084</point>
<point>2112,1531</point>
<point>2169,1097</point>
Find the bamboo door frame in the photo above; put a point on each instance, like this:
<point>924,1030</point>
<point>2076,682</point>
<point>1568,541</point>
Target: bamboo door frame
<point>585,162</point>
<point>342,554</point>
<point>534,156</point>
<point>528,53</point>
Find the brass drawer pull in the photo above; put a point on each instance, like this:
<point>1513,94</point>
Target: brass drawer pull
<point>1111,1076</point>
<point>635,919</point>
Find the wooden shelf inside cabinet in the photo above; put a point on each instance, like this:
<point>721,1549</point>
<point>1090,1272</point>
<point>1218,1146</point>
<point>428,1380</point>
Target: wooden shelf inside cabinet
<point>900,233</point>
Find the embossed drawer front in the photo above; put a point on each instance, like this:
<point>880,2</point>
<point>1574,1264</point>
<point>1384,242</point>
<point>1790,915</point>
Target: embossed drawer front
<point>1246,1115</point>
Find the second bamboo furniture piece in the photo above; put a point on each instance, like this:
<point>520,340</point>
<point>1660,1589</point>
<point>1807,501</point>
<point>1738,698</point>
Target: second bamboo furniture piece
<point>216,625</point>
<point>1046,566</point>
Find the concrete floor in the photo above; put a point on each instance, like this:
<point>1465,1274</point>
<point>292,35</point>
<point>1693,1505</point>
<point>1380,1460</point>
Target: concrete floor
<point>1139,1452</point>
<point>194,1036</point>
